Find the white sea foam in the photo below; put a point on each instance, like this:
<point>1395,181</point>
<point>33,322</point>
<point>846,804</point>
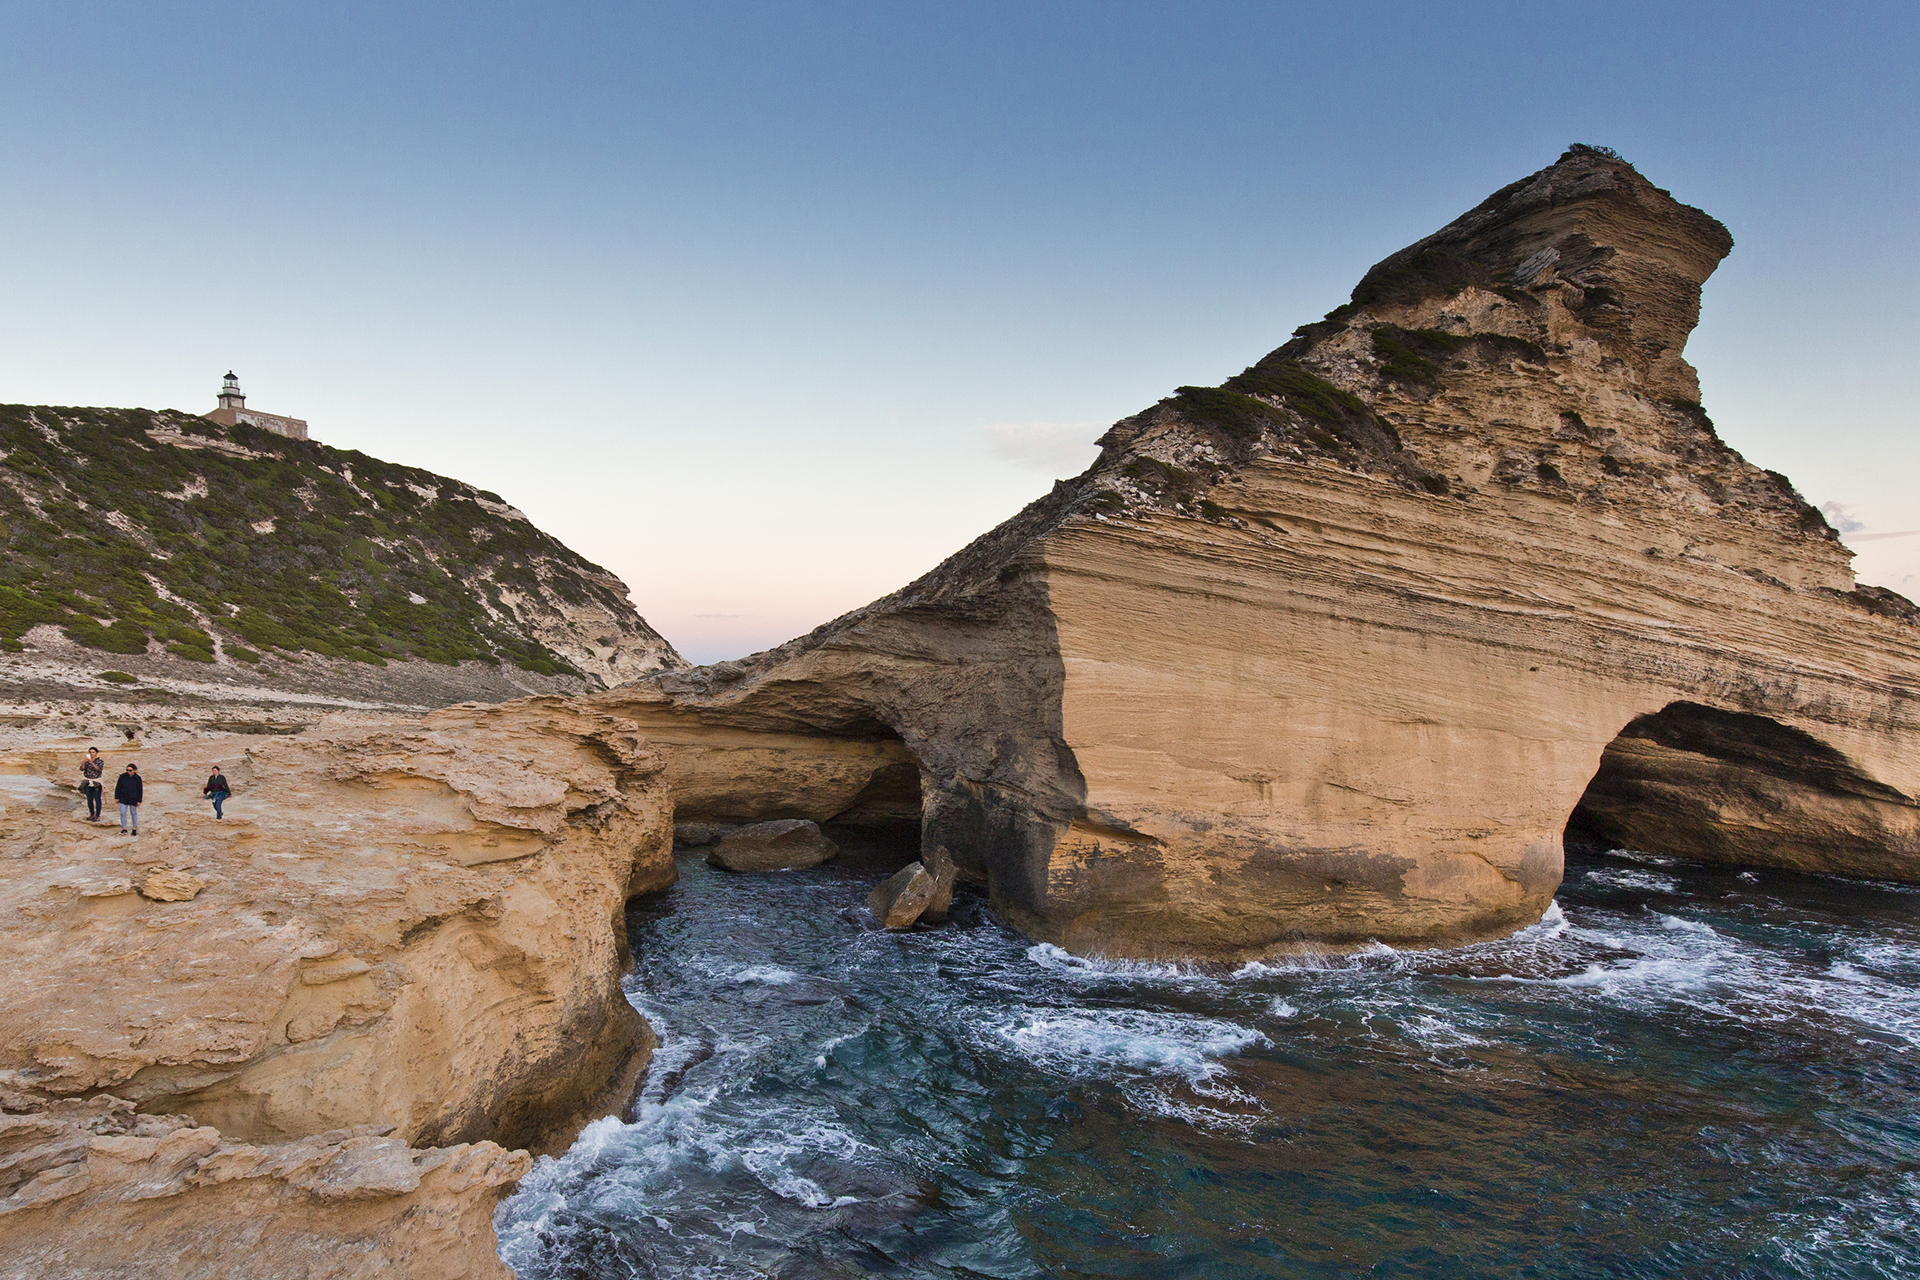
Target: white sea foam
<point>1645,971</point>
<point>773,1160</point>
<point>1145,1053</point>
<point>771,975</point>
<point>1552,923</point>
<point>1438,1032</point>
<point>1309,960</point>
<point>1282,1008</point>
<point>1651,859</point>
<point>1064,963</point>
<point>1626,878</point>
<point>1654,958</point>
<point>1278,966</point>
<point>1093,1040</point>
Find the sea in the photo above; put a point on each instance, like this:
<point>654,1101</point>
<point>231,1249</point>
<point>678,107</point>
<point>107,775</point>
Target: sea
<point>1682,1070</point>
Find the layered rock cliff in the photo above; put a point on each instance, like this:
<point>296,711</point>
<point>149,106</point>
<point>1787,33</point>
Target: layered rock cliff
<point>313,1034</point>
<point>1332,652</point>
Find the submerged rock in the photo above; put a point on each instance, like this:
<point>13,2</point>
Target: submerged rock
<point>785,844</point>
<point>1331,651</point>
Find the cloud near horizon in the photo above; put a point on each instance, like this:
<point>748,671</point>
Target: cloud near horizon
<point>1840,516</point>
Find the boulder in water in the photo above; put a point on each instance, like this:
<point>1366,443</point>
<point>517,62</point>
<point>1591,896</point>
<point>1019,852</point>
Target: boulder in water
<point>784,844</point>
<point>939,865</point>
<point>698,835</point>
<point>903,897</point>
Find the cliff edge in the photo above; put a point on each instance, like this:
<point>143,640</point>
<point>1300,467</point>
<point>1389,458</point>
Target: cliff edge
<point>307,1039</point>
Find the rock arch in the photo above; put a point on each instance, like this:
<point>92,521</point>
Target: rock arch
<point>1732,786</point>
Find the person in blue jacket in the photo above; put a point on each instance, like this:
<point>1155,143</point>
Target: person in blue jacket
<point>127,793</point>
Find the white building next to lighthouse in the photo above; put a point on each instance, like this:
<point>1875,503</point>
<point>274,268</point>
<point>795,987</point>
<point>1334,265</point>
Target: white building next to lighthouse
<point>233,411</point>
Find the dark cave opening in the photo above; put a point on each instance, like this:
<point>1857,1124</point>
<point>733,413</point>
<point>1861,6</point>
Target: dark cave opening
<point>1697,782</point>
<point>881,828</point>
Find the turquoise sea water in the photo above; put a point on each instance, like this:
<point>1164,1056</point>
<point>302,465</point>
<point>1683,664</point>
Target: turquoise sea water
<point>1682,1071</point>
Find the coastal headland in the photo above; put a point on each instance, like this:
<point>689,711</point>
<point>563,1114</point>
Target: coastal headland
<point>1333,652</point>
<point>1341,650</point>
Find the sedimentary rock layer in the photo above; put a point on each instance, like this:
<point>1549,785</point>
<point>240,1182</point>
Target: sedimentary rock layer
<point>1331,652</point>
<point>341,1007</point>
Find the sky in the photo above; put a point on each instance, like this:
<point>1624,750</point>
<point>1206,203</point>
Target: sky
<point>770,307</point>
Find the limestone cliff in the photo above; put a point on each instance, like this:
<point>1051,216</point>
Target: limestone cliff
<point>1332,651</point>
<point>313,1032</point>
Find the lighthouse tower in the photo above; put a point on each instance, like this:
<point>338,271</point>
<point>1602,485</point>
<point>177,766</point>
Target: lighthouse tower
<point>233,411</point>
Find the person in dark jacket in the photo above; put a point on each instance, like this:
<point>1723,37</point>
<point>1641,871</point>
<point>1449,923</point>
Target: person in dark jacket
<point>217,791</point>
<point>128,792</point>
<point>90,785</point>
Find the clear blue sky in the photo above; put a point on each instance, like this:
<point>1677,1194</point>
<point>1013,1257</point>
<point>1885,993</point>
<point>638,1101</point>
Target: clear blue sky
<point>769,307</point>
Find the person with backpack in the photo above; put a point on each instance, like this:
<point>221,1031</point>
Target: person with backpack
<point>128,792</point>
<point>217,790</point>
<point>91,770</point>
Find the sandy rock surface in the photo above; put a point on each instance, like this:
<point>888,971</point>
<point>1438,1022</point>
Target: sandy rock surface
<point>413,925</point>
<point>91,1190</point>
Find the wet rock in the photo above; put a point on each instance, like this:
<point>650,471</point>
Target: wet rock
<point>940,866</point>
<point>784,844</point>
<point>898,901</point>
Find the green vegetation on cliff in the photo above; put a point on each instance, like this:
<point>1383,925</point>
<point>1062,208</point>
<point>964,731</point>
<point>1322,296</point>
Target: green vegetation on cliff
<point>123,526</point>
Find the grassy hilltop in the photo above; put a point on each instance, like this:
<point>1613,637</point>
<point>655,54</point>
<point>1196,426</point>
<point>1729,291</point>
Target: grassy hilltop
<point>129,529</point>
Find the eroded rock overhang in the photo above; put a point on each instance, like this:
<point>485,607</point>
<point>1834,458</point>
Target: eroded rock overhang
<point>1331,652</point>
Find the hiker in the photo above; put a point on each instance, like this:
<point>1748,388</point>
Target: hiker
<point>217,790</point>
<point>127,793</point>
<point>91,770</point>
